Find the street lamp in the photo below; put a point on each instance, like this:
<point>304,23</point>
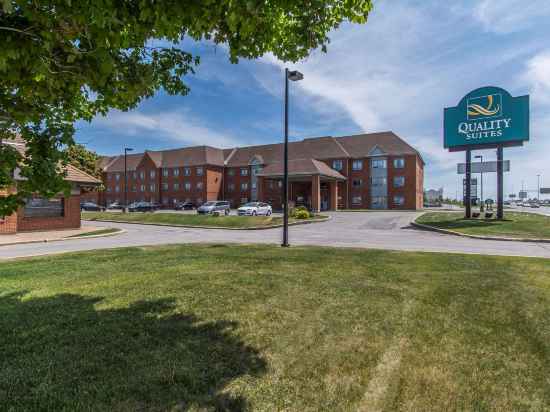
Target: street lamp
<point>126,150</point>
<point>295,76</point>
<point>481,172</point>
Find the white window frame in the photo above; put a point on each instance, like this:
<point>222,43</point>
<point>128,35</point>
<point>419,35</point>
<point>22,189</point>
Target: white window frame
<point>399,163</point>
<point>355,163</point>
<point>338,164</point>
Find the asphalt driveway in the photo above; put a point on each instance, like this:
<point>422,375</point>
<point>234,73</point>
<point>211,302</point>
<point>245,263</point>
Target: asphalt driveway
<point>378,230</point>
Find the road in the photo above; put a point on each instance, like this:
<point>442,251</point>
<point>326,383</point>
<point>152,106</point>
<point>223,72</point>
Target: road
<point>379,230</point>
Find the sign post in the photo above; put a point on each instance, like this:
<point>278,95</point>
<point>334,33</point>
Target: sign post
<point>486,118</point>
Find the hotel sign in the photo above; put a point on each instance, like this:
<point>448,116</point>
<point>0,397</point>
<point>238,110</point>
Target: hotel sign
<point>487,117</point>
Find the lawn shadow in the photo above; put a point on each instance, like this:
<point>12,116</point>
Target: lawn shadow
<point>61,353</point>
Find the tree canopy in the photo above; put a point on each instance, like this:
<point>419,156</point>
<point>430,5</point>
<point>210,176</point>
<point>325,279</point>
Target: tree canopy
<point>68,60</point>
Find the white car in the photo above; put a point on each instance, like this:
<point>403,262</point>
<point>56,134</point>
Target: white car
<point>255,209</point>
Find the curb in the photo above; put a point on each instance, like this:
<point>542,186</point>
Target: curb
<point>305,222</point>
<point>452,232</point>
<point>26,242</point>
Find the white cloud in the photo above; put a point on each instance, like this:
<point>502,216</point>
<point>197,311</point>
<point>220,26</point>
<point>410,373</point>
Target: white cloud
<point>538,76</point>
<point>178,126</point>
<point>506,16</point>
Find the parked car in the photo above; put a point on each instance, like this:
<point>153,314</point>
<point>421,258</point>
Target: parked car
<point>221,207</point>
<point>254,209</point>
<point>534,205</point>
<point>184,206</point>
<point>90,207</point>
<point>143,207</point>
<point>115,206</point>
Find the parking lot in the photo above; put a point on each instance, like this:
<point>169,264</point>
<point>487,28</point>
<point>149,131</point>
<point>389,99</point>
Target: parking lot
<point>379,230</point>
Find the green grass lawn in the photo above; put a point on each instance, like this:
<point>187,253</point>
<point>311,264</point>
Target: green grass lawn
<point>520,225</point>
<point>245,327</point>
<point>233,221</point>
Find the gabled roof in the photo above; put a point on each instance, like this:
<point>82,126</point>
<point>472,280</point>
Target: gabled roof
<point>301,167</point>
<point>74,174</point>
<point>361,145</point>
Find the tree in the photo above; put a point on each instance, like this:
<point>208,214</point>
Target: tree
<point>67,60</point>
<point>84,159</point>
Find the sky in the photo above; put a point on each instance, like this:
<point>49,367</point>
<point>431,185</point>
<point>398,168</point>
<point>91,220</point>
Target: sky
<point>397,72</point>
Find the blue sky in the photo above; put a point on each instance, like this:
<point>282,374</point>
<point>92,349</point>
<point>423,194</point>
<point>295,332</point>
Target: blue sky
<point>397,72</point>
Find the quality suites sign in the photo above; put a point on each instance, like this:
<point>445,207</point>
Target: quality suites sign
<point>488,116</point>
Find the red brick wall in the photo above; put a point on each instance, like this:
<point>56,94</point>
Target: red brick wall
<point>363,190</point>
<point>235,196</point>
<point>8,224</point>
<point>70,220</point>
<point>409,191</point>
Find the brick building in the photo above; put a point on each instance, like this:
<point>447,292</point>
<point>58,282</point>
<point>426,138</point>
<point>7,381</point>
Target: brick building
<point>60,212</point>
<point>368,171</point>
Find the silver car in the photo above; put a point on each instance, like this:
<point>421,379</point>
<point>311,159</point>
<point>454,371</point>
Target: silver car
<point>255,209</point>
<point>208,208</point>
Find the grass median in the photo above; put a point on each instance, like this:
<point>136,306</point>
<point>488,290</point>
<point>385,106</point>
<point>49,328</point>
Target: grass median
<point>185,219</point>
<point>514,225</point>
<point>216,327</point>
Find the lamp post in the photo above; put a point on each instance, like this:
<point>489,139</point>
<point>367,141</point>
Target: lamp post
<point>538,188</point>
<point>295,76</point>
<point>481,178</point>
<point>126,150</point>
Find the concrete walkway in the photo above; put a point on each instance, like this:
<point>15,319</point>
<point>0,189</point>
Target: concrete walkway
<point>377,230</point>
<point>46,236</point>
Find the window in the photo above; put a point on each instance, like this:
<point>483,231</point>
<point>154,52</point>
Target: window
<point>244,187</point>
<point>230,172</point>
<point>176,172</point>
<point>244,171</point>
<point>356,200</point>
<point>142,188</point>
<point>142,175</point>
<point>109,176</point>
<point>379,181</point>
<point>134,175</point>
<point>176,186</point>
<point>117,188</point>
<point>152,187</point>
<point>244,200</point>
<point>399,163</point>
<point>117,177</point>
<point>270,184</point>
<point>165,187</point>
<point>134,188</point>
<point>337,164</point>
<point>108,190</point>
<point>378,163</point>
<point>200,171</point>
<point>399,181</point>
<point>378,201</point>
<point>399,200</point>
<point>254,185</point>
<point>280,183</point>
<point>357,182</point>
<point>231,187</point>
<point>165,201</point>
<point>42,207</point>
<point>152,174</point>
<point>187,186</point>
<point>165,172</point>
<point>357,165</point>
<point>199,186</point>
<point>187,171</point>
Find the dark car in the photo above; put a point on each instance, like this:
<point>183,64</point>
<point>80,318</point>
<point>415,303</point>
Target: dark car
<point>143,207</point>
<point>90,207</point>
<point>221,207</point>
<point>184,206</point>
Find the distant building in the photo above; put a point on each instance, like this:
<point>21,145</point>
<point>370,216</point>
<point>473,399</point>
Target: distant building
<point>367,171</point>
<point>433,196</point>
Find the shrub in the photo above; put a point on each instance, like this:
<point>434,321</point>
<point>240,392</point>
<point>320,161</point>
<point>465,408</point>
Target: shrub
<point>299,209</point>
<point>301,214</point>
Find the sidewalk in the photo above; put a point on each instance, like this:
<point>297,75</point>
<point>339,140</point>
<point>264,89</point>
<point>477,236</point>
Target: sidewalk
<point>50,235</point>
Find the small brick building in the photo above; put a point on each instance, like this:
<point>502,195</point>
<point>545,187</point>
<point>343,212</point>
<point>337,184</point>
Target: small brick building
<point>60,212</point>
<point>366,171</point>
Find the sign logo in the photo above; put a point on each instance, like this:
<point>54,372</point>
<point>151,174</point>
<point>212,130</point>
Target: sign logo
<point>488,117</point>
<point>484,106</point>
